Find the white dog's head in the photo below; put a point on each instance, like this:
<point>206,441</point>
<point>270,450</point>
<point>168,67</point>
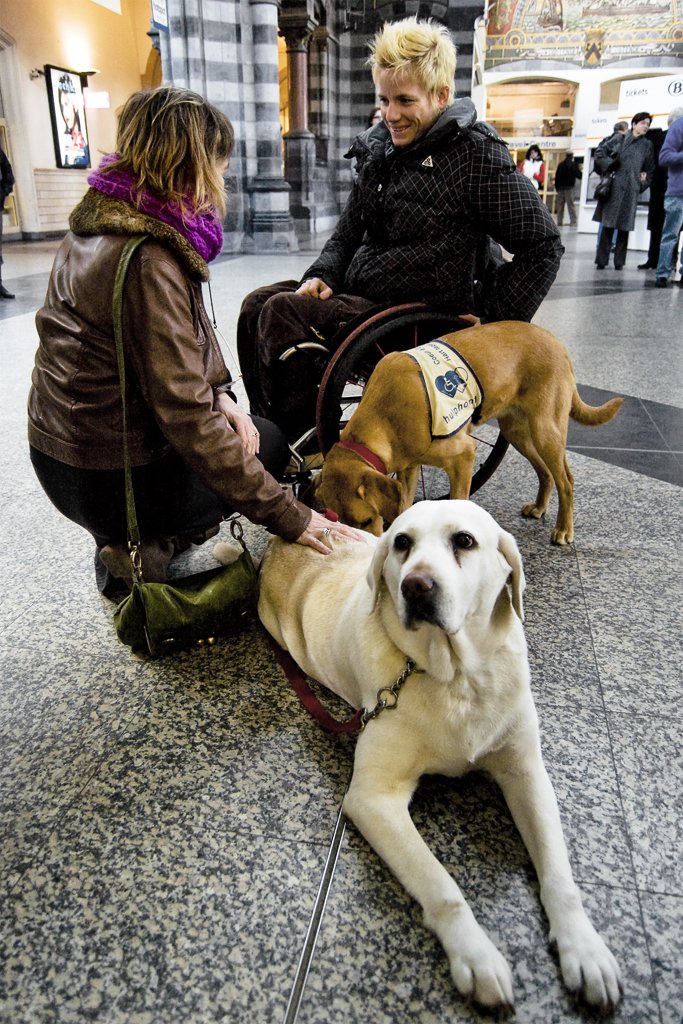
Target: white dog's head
<point>444,562</point>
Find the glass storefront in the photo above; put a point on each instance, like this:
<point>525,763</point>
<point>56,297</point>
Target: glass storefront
<point>537,112</point>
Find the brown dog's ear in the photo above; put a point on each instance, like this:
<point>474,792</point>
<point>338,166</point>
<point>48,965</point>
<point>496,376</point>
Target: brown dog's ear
<point>382,493</point>
<point>507,546</point>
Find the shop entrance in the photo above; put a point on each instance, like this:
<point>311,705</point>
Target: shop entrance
<point>539,112</point>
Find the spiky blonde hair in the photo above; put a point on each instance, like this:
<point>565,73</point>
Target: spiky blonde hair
<point>421,49</point>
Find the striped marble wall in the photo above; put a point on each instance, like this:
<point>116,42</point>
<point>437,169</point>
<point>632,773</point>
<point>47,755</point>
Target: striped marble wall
<point>227,51</point>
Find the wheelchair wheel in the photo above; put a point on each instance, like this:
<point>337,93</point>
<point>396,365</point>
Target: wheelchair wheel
<point>366,340</point>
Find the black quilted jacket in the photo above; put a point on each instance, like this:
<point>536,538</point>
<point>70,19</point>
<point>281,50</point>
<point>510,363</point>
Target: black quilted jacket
<point>417,219</point>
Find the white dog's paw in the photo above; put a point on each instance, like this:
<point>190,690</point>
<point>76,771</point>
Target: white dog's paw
<point>478,969</point>
<point>226,553</point>
<point>588,967</point>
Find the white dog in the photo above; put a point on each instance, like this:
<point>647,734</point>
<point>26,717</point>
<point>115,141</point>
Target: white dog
<point>442,589</point>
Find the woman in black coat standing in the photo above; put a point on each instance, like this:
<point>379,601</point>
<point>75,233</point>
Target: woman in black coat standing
<point>655,207</point>
<point>631,157</point>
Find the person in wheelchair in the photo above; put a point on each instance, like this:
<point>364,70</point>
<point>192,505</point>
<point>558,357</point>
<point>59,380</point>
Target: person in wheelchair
<point>434,186</point>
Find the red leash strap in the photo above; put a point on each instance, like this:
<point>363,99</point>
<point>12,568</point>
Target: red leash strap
<point>365,453</point>
<point>309,700</point>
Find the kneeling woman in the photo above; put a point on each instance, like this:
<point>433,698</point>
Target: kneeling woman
<point>196,456</point>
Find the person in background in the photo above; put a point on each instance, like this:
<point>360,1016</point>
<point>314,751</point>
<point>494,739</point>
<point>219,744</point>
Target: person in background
<point>433,187</point>
<point>195,455</point>
<point>374,117</point>
<point>6,189</point>
<point>671,157</point>
<point>533,167</point>
<point>620,128</point>
<point>655,206</point>
<point>631,157</point>
<point>566,176</point>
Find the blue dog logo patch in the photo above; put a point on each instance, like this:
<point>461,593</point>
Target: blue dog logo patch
<point>452,381</point>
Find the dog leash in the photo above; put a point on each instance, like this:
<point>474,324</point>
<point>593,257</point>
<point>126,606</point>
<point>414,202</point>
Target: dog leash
<point>387,696</point>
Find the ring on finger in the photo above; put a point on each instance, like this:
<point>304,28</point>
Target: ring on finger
<point>326,532</point>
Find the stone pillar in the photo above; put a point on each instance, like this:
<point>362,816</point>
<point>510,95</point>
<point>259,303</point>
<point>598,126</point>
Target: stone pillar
<point>299,140</point>
<point>272,226</point>
<point>297,58</point>
<point>319,94</point>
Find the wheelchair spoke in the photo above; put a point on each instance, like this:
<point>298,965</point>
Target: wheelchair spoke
<point>486,434</point>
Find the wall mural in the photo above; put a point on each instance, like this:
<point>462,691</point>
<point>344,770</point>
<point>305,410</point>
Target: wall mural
<point>586,33</point>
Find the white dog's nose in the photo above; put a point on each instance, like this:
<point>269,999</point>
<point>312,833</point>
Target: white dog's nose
<point>420,591</point>
<point>417,585</point>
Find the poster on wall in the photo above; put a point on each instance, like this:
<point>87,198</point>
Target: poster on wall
<point>67,112</point>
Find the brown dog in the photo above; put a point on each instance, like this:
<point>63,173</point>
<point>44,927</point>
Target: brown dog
<point>529,387</point>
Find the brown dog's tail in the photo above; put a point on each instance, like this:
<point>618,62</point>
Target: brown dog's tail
<point>594,415</point>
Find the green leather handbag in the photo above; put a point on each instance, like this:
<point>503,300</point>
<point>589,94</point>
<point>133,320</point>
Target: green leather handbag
<point>158,617</point>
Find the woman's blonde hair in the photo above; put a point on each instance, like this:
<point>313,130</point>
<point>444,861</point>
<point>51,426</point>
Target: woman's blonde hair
<point>172,140</point>
<point>421,49</point>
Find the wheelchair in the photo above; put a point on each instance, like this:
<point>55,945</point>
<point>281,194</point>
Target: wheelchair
<point>330,376</point>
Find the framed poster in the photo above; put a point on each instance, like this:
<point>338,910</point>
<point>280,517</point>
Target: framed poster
<point>67,112</point>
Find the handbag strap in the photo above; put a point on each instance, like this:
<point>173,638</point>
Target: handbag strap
<point>117,312</point>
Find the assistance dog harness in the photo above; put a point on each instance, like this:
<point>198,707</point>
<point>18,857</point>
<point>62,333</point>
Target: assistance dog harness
<point>452,388</point>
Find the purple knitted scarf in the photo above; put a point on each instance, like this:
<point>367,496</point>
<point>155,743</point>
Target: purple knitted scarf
<point>203,231</point>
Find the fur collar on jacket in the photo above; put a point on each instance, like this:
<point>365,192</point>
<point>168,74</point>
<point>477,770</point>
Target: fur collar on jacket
<point>98,214</point>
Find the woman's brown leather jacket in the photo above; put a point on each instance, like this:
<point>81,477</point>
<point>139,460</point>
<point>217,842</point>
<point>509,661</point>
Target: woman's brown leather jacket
<point>174,364</point>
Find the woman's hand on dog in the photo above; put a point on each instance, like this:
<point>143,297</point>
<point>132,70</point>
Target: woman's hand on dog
<point>320,531</point>
<point>315,289</point>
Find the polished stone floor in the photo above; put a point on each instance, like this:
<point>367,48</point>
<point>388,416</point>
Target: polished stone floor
<point>171,850</point>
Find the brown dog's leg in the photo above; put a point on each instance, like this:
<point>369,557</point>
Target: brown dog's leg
<point>552,449</point>
<point>455,455</point>
<point>546,453</point>
<point>461,467</point>
<point>517,434</point>
<point>564,526</point>
<point>408,480</point>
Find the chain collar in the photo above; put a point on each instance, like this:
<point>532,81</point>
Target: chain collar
<point>388,702</point>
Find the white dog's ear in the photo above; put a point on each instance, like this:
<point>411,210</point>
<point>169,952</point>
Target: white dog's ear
<point>376,569</point>
<point>507,546</point>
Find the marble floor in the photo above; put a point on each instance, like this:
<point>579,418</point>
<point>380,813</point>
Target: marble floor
<point>171,849</point>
